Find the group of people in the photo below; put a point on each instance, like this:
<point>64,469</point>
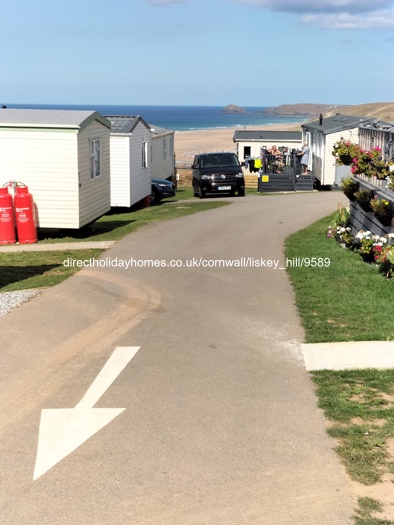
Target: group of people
<point>275,159</point>
<point>303,153</point>
<point>278,155</point>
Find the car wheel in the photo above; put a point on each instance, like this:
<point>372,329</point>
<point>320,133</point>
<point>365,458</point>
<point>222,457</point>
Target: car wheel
<point>154,196</point>
<point>195,187</point>
<point>241,193</point>
<point>201,193</point>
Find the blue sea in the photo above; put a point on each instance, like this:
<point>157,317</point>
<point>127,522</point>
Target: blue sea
<point>180,118</point>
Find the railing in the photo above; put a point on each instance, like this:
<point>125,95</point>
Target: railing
<point>379,184</point>
<point>268,163</point>
<point>283,173</point>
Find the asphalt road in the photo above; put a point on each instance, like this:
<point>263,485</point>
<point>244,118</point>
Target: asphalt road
<point>217,419</point>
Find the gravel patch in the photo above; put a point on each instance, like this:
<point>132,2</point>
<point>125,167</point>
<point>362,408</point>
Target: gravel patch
<point>11,300</point>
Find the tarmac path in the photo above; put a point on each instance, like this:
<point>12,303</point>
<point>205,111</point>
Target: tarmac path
<point>214,417</point>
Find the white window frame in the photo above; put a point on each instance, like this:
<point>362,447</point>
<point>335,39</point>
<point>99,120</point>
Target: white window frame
<point>144,154</point>
<point>95,158</point>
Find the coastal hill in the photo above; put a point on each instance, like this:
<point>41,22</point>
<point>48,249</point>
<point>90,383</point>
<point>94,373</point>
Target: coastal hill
<point>287,110</point>
<point>379,110</point>
<point>302,110</point>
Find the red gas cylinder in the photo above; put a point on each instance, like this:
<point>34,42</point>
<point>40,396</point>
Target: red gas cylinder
<point>24,215</point>
<point>7,223</point>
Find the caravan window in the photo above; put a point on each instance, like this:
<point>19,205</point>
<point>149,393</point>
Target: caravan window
<point>95,160</point>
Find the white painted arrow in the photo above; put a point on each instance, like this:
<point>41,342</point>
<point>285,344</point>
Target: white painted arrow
<point>64,430</point>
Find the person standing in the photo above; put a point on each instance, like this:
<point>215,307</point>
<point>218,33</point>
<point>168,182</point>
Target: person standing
<point>304,153</point>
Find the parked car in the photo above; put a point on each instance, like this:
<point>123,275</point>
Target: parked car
<point>161,189</point>
<point>217,173</point>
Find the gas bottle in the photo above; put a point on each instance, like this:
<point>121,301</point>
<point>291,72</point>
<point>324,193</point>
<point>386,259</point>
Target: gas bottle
<point>24,215</point>
<point>7,221</point>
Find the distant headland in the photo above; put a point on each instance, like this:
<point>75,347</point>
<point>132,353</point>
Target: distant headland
<point>232,108</point>
<point>287,110</point>
<point>380,110</point>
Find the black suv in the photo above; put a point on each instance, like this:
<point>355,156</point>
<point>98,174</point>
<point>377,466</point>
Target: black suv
<point>217,173</point>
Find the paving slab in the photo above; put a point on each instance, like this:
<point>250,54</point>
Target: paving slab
<point>348,355</point>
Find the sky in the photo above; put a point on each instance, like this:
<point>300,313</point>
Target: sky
<point>196,52</point>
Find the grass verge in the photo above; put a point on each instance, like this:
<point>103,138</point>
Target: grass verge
<point>347,300</point>
<point>116,224</point>
<point>27,270</point>
<point>360,406</point>
<point>182,193</point>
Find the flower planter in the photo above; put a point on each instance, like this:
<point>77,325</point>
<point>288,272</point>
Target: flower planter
<point>364,203</point>
<point>363,197</point>
<point>346,159</point>
<point>367,257</point>
<point>350,195</point>
<point>365,206</point>
<point>385,220</point>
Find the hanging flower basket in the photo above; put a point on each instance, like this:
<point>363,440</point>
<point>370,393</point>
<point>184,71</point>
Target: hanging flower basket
<point>346,159</point>
<point>345,151</point>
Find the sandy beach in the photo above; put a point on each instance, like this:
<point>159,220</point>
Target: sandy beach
<point>189,143</point>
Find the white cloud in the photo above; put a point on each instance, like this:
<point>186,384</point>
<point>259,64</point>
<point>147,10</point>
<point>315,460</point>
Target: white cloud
<point>375,19</point>
<point>166,2</point>
<point>324,6</point>
<point>338,14</point>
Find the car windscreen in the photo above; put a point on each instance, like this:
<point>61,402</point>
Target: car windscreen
<point>211,161</point>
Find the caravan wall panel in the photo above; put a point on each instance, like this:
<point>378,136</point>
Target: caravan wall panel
<point>163,162</point>
<point>140,177</point>
<point>46,161</point>
<point>120,171</point>
<point>94,194</point>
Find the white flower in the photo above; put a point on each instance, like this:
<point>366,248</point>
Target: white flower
<point>363,235</point>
